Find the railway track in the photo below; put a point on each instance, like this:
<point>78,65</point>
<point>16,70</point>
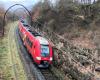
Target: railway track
<point>33,72</point>
<point>48,74</point>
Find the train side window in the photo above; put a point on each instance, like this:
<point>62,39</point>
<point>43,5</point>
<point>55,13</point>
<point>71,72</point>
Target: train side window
<point>29,42</point>
<point>27,39</point>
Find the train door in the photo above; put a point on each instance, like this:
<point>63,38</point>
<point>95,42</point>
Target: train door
<point>29,44</point>
<point>33,49</point>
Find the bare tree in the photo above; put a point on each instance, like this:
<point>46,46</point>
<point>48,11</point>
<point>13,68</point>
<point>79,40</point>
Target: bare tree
<point>2,10</point>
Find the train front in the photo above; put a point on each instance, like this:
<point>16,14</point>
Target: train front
<point>44,52</point>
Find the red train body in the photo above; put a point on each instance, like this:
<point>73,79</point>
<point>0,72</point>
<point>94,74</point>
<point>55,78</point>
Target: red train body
<point>39,47</point>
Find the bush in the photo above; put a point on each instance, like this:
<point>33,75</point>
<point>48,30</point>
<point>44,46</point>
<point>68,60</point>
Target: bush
<point>1,17</point>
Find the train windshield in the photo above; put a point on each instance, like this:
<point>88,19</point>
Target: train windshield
<point>44,50</point>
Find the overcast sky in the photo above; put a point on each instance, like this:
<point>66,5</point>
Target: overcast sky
<point>26,3</point>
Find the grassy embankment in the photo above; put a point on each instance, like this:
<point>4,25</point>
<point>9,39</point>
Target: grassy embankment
<point>10,64</point>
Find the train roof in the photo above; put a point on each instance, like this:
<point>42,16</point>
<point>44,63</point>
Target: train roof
<point>38,36</point>
<point>34,33</point>
<point>42,40</point>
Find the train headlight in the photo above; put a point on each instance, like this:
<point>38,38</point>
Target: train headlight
<point>51,59</point>
<point>38,58</point>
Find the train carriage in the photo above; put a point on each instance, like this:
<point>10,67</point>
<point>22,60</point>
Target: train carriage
<point>38,46</point>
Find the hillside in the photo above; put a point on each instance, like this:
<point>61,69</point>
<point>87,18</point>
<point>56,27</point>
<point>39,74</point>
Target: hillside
<point>74,30</point>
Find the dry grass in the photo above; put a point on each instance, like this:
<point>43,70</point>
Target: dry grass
<point>10,64</point>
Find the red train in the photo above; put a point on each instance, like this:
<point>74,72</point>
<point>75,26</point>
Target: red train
<point>39,47</point>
